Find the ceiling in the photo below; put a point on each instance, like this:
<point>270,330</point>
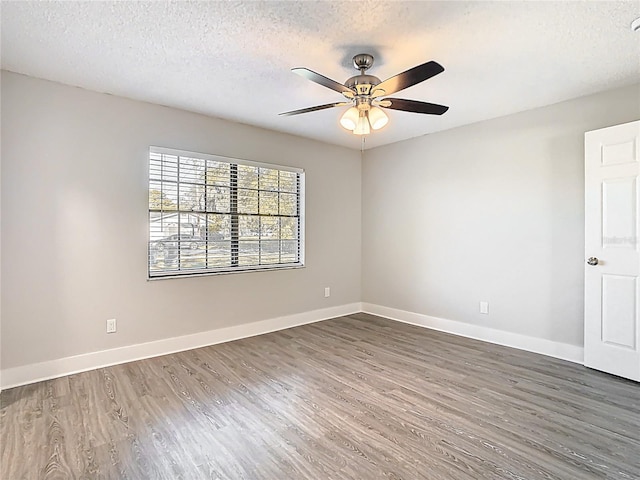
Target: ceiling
<point>232,59</point>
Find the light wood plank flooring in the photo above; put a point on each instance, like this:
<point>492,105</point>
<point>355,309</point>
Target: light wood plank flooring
<point>356,397</point>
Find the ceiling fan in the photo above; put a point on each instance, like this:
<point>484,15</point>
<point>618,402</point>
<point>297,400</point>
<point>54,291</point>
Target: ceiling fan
<point>364,93</point>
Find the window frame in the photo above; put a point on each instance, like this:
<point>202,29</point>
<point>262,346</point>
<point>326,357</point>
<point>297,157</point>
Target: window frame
<point>190,273</point>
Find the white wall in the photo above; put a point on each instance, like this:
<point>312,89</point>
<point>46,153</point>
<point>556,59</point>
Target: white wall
<point>74,212</point>
<point>492,211</point>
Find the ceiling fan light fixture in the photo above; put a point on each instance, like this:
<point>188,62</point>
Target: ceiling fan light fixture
<point>362,128</point>
<point>364,93</point>
<point>377,118</point>
<point>350,118</point>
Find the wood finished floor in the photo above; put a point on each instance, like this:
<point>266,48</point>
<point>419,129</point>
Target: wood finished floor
<point>356,397</point>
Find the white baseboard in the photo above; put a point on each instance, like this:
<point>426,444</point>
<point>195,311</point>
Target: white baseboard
<point>13,377</point>
<point>564,351</point>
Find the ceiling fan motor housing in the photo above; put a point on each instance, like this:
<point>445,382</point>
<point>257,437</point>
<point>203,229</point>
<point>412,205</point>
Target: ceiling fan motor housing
<point>362,84</point>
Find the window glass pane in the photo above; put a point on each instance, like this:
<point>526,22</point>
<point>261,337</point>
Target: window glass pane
<point>247,176</point>
<point>155,166</point>
<point>167,253</point>
<point>217,173</point>
<point>167,171</point>
<point>193,225</point>
<point>289,252</point>
<point>269,252</point>
<point>218,227</point>
<point>191,170</point>
<point>163,196</point>
<point>248,227</point>
<point>192,197</point>
<point>288,182</point>
<point>247,201</point>
<point>156,234</point>
<point>288,204</point>
<point>219,254</point>
<point>217,199</point>
<point>268,179</point>
<point>270,228</point>
<point>156,262</point>
<point>193,253</point>
<point>170,193</point>
<point>162,225</point>
<point>248,253</point>
<point>268,203</point>
<point>288,228</point>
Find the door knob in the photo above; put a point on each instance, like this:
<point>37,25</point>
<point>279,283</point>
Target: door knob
<point>592,261</point>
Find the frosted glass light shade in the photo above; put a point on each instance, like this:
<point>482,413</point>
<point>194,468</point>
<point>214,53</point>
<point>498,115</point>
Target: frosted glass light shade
<point>362,128</point>
<point>350,118</point>
<point>377,118</point>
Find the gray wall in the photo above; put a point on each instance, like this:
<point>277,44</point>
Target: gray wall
<point>74,211</point>
<point>491,211</point>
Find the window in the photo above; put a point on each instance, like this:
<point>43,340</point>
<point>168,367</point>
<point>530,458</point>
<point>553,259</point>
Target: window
<point>211,214</point>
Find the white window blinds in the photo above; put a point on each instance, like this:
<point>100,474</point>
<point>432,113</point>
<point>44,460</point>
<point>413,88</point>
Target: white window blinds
<point>211,214</point>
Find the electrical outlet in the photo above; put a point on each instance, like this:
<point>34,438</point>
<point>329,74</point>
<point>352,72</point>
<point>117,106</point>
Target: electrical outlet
<point>111,325</point>
<point>327,292</point>
<point>484,308</point>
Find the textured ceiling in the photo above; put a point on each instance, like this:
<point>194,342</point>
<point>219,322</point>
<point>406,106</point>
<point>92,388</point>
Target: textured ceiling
<point>233,59</point>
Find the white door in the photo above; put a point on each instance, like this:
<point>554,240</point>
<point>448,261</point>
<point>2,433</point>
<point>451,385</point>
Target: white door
<point>612,267</point>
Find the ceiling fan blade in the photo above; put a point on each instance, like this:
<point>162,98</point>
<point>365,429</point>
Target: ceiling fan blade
<point>410,77</point>
<point>415,106</point>
<point>321,79</point>
<point>313,109</point>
